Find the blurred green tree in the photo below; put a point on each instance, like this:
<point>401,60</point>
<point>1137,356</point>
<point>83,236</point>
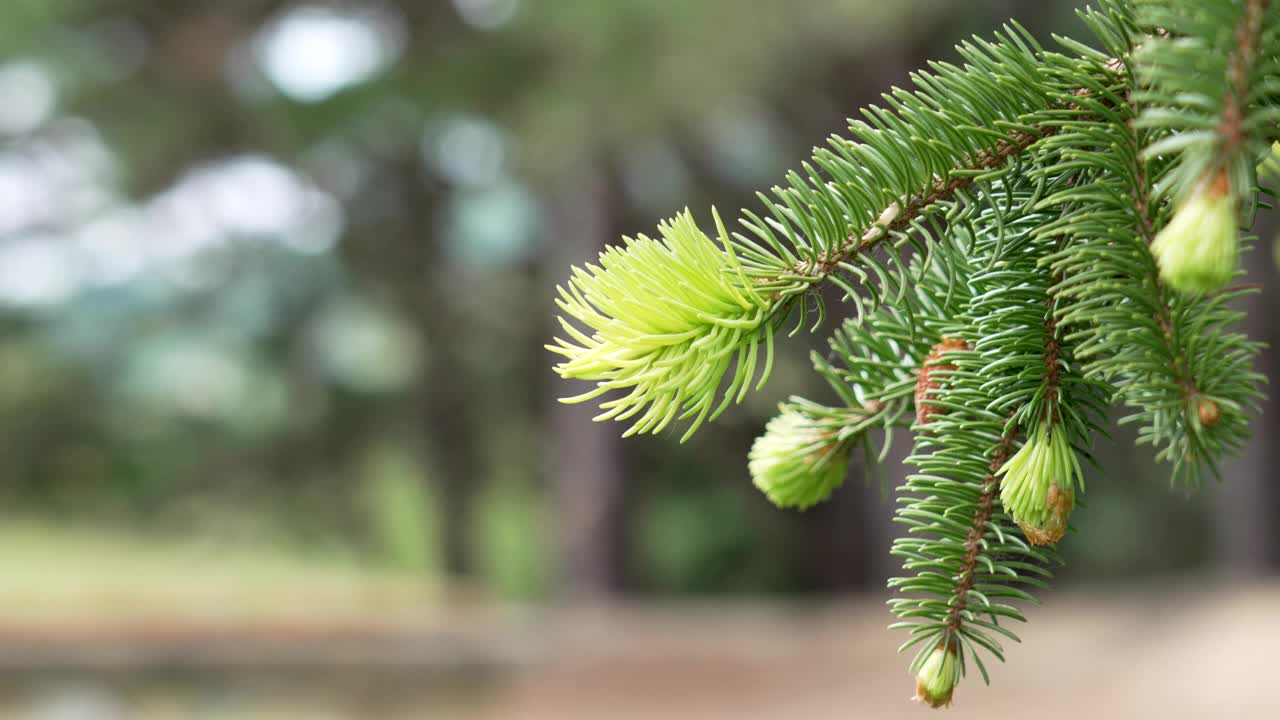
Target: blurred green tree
<point>249,247</point>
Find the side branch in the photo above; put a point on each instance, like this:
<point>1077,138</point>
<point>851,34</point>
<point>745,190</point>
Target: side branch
<point>1239,68</point>
<point>977,530</point>
<point>897,217</point>
<point>1163,316</point>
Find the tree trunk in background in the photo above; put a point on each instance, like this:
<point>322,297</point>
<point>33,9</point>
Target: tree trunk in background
<point>1246,516</point>
<point>458,484</point>
<point>583,457</point>
<point>449,429</point>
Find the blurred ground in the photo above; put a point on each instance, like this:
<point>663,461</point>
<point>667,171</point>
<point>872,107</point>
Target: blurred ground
<point>325,641</point>
<point>1167,651</point>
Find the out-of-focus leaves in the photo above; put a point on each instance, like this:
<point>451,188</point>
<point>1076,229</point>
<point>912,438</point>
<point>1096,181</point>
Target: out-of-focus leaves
<point>402,510</point>
<point>265,282</point>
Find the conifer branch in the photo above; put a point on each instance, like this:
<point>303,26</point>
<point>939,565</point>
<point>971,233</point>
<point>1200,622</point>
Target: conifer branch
<point>896,218</point>
<point>1056,204</point>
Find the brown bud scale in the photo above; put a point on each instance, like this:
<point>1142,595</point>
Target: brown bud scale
<point>927,384</point>
<point>1060,505</point>
<point>1208,411</point>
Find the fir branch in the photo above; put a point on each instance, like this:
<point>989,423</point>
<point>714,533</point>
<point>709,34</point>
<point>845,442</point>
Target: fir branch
<point>1015,373</point>
<point>1036,190</point>
<point>1152,345</point>
<point>905,175</point>
<point>1208,87</point>
<point>668,355</point>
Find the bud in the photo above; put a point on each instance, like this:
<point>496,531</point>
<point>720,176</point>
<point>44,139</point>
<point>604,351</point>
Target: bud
<point>1197,249</point>
<point>938,676</point>
<point>799,460</point>
<point>926,383</point>
<point>1208,411</point>
<point>1038,488</point>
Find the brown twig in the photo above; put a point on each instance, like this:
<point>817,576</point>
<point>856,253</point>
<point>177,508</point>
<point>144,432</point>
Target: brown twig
<point>1239,68</point>
<point>977,530</point>
<point>896,217</point>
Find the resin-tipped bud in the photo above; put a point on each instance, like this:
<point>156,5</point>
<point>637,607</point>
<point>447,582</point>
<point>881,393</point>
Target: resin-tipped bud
<point>1197,250</point>
<point>938,676</point>
<point>1038,485</point>
<point>799,460</point>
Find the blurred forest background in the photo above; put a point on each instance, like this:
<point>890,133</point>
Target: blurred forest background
<point>275,279</point>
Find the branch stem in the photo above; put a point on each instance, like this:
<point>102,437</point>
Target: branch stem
<point>977,530</point>
<point>1239,69</point>
<point>900,214</point>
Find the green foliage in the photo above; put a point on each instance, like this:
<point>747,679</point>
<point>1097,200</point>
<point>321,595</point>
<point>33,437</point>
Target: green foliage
<point>669,317</point>
<point>511,539</point>
<point>1209,95</point>
<point>800,460</point>
<point>964,550</point>
<point>403,513</point>
<point>1160,352</point>
<point>1027,240</point>
<point>694,539</point>
<point>1208,86</point>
